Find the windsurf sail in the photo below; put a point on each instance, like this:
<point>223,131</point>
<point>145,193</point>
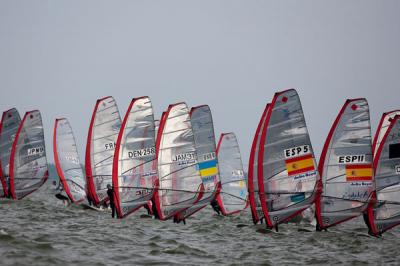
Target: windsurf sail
<point>28,163</point>
<point>10,121</point>
<point>382,128</point>
<point>68,165</point>
<point>179,185</point>
<point>254,200</point>
<point>346,166</point>
<point>385,213</point>
<point>135,165</point>
<point>203,130</point>
<point>287,172</point>
<point>233,195</point>
<point>100,145</point>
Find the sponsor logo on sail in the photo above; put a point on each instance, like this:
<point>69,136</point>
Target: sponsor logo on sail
<point>346,159</point>
<point>208,179</point>
<point>142,153</point>
<point>298,197</point>
<point>356,195</point>
<point>237,173</point>
<point>300,165</point>
<point>149,173</point>
<point>297,151</point>
<point>36,151</point>
<point>358,172</point>
<point>72,159</point>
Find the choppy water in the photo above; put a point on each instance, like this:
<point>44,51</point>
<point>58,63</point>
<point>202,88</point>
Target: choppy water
<point>39,230</point>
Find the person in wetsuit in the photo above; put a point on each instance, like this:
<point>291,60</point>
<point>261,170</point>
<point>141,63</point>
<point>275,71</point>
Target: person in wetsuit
<point>215,206</point>
<point>146,206</point>
<point>62,197</point>
<point>154,209</point>
<point>110,193</point>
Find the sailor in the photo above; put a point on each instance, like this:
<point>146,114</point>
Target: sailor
<point>177,220</point>
<point>110,193</point>
<point>62,197</point>
<point>215,206</point>
<point>154,209</point>
<point>146,206</point>
<point>9,187</point>
<point>90,201</point>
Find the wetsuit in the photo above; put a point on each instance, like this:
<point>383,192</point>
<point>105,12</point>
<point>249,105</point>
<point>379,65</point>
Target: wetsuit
<point>61,197</point>
<point>110,193</point>
<point>147,208</point>
<point>215,206</point>
<point>153,206</point>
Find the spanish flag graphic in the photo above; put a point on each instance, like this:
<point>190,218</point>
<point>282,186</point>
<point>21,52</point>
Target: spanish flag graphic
<point>358,172</point>
<point>299,165</point>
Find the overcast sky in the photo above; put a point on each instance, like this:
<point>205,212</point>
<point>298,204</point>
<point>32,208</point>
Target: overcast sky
<point>60,56</point>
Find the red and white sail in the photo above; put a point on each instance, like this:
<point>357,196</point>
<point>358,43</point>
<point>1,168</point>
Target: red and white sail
<point>28,163</point>
<point>254,199</point>
<point>68,164</point>
<point>233,195</point>
<point>385,213</point>
<point>180,184</point>
<point>382,128</point>
<point>287,172</point>
<point>10,121</point>
<point>346,166</point>
<point>100,145</point>
<point>203,130</point>
<point>135,165</point>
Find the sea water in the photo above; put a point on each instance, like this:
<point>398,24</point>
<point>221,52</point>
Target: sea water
<point>40,230</point>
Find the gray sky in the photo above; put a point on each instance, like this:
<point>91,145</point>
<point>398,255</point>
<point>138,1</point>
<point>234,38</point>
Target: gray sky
<point>60,56</point>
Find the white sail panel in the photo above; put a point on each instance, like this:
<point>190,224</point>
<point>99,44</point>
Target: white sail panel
<point>28,163</point>
<point>346,166</point>
<point>382,128</point>
<point>387,180</point>
<point>254,199</point>
<point>203,130</point>
<point>287,171</point>
<point>180,184</point>
<point>135,165</point>
<point>10,121</point>
<point>68,164</point>
<point>233,195</point>
<point>102,135</point>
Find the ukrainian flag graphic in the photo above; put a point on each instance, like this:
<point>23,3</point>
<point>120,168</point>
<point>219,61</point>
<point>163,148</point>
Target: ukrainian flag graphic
<point>358,172</point>
<point>299,165</point>
<point>208,168</point>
